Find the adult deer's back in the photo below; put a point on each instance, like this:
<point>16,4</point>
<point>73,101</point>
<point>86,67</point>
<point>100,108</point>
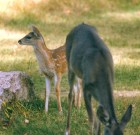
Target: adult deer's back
<point>90,59</point>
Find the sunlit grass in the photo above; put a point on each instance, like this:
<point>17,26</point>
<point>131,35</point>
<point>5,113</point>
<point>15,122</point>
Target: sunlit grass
<point>123,16</point>
<point>126,56</point>
<point>6,34</point>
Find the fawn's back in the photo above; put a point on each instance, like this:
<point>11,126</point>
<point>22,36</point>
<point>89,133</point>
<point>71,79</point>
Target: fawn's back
<point>59,59</point>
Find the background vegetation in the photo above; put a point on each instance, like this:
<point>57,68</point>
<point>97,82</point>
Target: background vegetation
<point>117,22</point>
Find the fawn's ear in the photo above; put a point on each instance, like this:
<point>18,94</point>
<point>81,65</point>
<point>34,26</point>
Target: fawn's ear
<point>103,115</point>
<point>126,117</point>
<point>36,31</point>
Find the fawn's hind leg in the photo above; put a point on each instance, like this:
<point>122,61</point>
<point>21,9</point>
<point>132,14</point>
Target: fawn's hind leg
<point>57,80</point>
<point>77,93</point>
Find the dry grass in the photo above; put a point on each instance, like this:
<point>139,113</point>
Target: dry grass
<point>124,16</point>
<point>11,50</point>
<point>126,56</point>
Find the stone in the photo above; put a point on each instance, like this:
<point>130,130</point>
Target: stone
<point>15,85</point>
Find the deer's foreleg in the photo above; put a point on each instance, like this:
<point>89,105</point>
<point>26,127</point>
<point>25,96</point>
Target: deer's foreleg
<point>87,98</point>
<point>93,123</point>
<point>71,78</point>
<point>48,88</point>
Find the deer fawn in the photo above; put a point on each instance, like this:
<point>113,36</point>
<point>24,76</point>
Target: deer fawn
<point>52,63</point>
<point>90,59</point>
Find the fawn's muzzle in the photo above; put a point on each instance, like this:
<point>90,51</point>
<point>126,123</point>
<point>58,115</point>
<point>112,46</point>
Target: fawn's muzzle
<point>19,41</point>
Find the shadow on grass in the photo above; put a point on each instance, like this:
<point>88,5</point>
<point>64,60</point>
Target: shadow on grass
<point>36,104</point>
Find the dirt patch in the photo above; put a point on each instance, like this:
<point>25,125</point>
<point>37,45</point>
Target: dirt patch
<point>134,93</point>
<point>124,93</point>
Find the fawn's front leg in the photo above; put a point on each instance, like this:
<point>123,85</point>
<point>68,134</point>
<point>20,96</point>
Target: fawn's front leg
<point>48,88</point>
<point>57,80</point>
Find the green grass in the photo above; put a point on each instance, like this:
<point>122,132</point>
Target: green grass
<point>54,123</point>
<point>118,24</point>
<point>127,77</point>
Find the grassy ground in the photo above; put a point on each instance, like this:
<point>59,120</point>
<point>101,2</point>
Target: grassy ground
<point>54,123</point>
<point>117,23</point>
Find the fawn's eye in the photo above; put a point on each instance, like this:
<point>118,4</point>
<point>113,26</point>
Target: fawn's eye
<point>28,37</point>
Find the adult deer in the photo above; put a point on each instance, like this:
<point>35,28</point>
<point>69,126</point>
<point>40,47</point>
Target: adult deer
<point>52,63</point>
<point>90,59</point>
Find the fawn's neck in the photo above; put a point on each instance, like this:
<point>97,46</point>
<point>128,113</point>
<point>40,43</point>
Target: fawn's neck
<point>43,55</point>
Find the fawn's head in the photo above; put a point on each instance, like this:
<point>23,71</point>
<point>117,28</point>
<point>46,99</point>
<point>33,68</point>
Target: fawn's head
<point>112,127</point>
<point>32,38</point>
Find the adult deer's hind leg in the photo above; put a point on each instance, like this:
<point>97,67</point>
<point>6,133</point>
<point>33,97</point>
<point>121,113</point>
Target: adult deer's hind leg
<point>71,79</point>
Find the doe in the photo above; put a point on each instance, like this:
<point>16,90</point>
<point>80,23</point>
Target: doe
<point>52,63</point>
<point>90,59</point>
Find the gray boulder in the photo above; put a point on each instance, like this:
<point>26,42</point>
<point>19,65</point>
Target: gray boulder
<point>15,85</point>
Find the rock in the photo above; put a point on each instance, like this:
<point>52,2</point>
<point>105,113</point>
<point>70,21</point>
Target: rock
<point>15,85</point>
